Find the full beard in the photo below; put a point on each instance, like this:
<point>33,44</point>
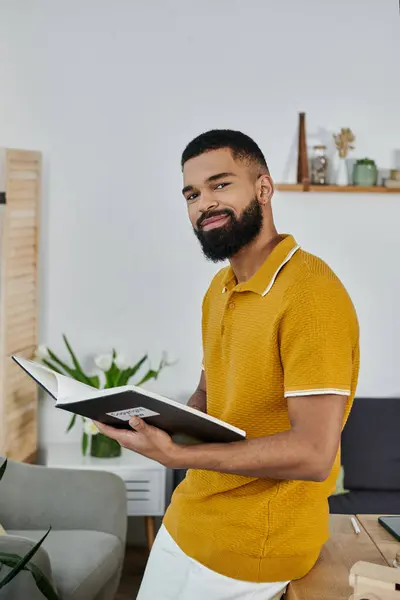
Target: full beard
<point>224,242</point>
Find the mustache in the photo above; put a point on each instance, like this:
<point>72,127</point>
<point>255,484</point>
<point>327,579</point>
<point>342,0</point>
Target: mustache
<point>214,213</point>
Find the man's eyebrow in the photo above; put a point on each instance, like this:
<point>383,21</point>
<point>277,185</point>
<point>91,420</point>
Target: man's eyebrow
<point>219,176</point>
<point>190,188</point>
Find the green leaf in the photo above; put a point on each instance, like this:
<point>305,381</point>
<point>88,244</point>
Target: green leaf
<point>11,561</point>
<point>126,374</point>
<point>136,367</point>
<point>94,381</point>
<point>23,561</point>
<point>43,583</point>
<point>3,468</point>
<point>71,423</point>
<point>74,373</point>
<point>75,360</point>
<point>85,441</point>
<point>62,364</point>
<point>151,374</point>
<point>72,353</point>
<point>111,376</point>
<point>51,366</point>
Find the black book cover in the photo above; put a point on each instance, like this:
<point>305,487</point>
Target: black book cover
<point>115,406</point>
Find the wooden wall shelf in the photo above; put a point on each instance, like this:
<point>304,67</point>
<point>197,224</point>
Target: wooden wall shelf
<point>341,189</point>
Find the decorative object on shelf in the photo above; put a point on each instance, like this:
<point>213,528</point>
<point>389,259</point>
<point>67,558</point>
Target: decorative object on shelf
<point>365,172</point>
<point>302,160</point>
<point>344,141</point>
<point>343,189</point>
<point>393,182</point>
<point>114,371</point>
<point>319,166</point>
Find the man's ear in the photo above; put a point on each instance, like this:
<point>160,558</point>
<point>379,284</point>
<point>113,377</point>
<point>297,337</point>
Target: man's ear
<point>265,189</point>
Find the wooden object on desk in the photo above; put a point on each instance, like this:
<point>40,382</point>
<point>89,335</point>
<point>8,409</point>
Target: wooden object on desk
<point>374,582</point>
<point>387,545</point>
<point>329,578</point>
<point>20,190</point>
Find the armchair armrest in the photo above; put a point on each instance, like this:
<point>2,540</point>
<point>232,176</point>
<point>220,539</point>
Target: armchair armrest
<point>23,586</point>
<point>35,497</point>
<point>15,544</point>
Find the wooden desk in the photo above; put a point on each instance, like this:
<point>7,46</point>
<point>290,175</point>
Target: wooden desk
<point>329,579</point>
<point>385,542</point>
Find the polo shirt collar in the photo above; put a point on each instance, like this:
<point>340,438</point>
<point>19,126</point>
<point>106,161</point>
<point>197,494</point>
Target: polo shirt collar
<point>263,280</point>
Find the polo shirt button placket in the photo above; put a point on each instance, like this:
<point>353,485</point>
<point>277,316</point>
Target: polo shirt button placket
<point>230,305</point>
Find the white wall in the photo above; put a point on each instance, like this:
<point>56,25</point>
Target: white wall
<point>112,90</point>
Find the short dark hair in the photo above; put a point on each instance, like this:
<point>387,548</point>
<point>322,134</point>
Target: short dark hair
<point>240,144</point>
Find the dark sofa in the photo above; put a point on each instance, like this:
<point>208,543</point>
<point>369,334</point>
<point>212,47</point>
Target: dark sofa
<point>371,458</point>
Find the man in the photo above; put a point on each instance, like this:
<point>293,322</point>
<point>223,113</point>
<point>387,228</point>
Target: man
<point>281,361</point>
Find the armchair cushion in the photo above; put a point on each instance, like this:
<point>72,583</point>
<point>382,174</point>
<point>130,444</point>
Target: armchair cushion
<point>82,562</point>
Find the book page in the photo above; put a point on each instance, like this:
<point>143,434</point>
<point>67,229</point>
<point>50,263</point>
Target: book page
<point>71,390</point>
<point>44,376</point>
<point>63,388</point>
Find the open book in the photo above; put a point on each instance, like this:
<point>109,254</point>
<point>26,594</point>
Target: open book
<point>115,406</point>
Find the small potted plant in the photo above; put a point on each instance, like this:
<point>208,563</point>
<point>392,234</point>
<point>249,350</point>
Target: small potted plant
<point>113,371</point>
<point>365,172</point>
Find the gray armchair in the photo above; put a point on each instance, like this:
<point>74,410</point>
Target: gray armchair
<point>84,552</point>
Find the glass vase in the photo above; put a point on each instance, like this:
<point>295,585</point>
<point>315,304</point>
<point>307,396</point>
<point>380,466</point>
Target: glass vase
<point>319,166</point>
<point>102,446</point>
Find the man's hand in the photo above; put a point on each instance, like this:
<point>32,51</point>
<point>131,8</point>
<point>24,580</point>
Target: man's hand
<point>144,439</point>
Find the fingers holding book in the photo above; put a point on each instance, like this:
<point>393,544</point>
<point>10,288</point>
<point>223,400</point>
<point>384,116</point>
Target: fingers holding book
<point>144,439</point>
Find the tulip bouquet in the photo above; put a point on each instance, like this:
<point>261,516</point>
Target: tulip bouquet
<point>113,370</point>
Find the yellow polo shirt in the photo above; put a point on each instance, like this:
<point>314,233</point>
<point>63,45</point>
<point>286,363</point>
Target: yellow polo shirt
<point>290,330</point>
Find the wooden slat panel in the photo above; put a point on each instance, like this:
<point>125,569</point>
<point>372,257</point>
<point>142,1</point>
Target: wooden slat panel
<point>14,342</point>
<point>21,271</point>
<point>23,252</point>
<point>22,286</point>
<point>23,165</point>
<point>28,156</point>
<point>21,244</point>
<point>19,301</point>
<point>16,186</point>
<point>24,304</point>
<point>22,396</point>
<point>25,233</point>
<point>19,261</point>
<point>25,437</point>
<point>23,212</point>
<point>22,221</point>
<point>20,419</point>
<point>22,319</point>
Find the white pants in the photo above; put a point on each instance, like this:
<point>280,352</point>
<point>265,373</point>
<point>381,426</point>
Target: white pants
<point>172,575</point>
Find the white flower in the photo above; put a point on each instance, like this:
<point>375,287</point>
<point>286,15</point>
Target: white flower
<point>121,362</point>
<point>42,352</point>
<point>90,428</point>
<point>104,361</point>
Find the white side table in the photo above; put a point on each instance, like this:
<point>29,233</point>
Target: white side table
<point>145,479</point>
